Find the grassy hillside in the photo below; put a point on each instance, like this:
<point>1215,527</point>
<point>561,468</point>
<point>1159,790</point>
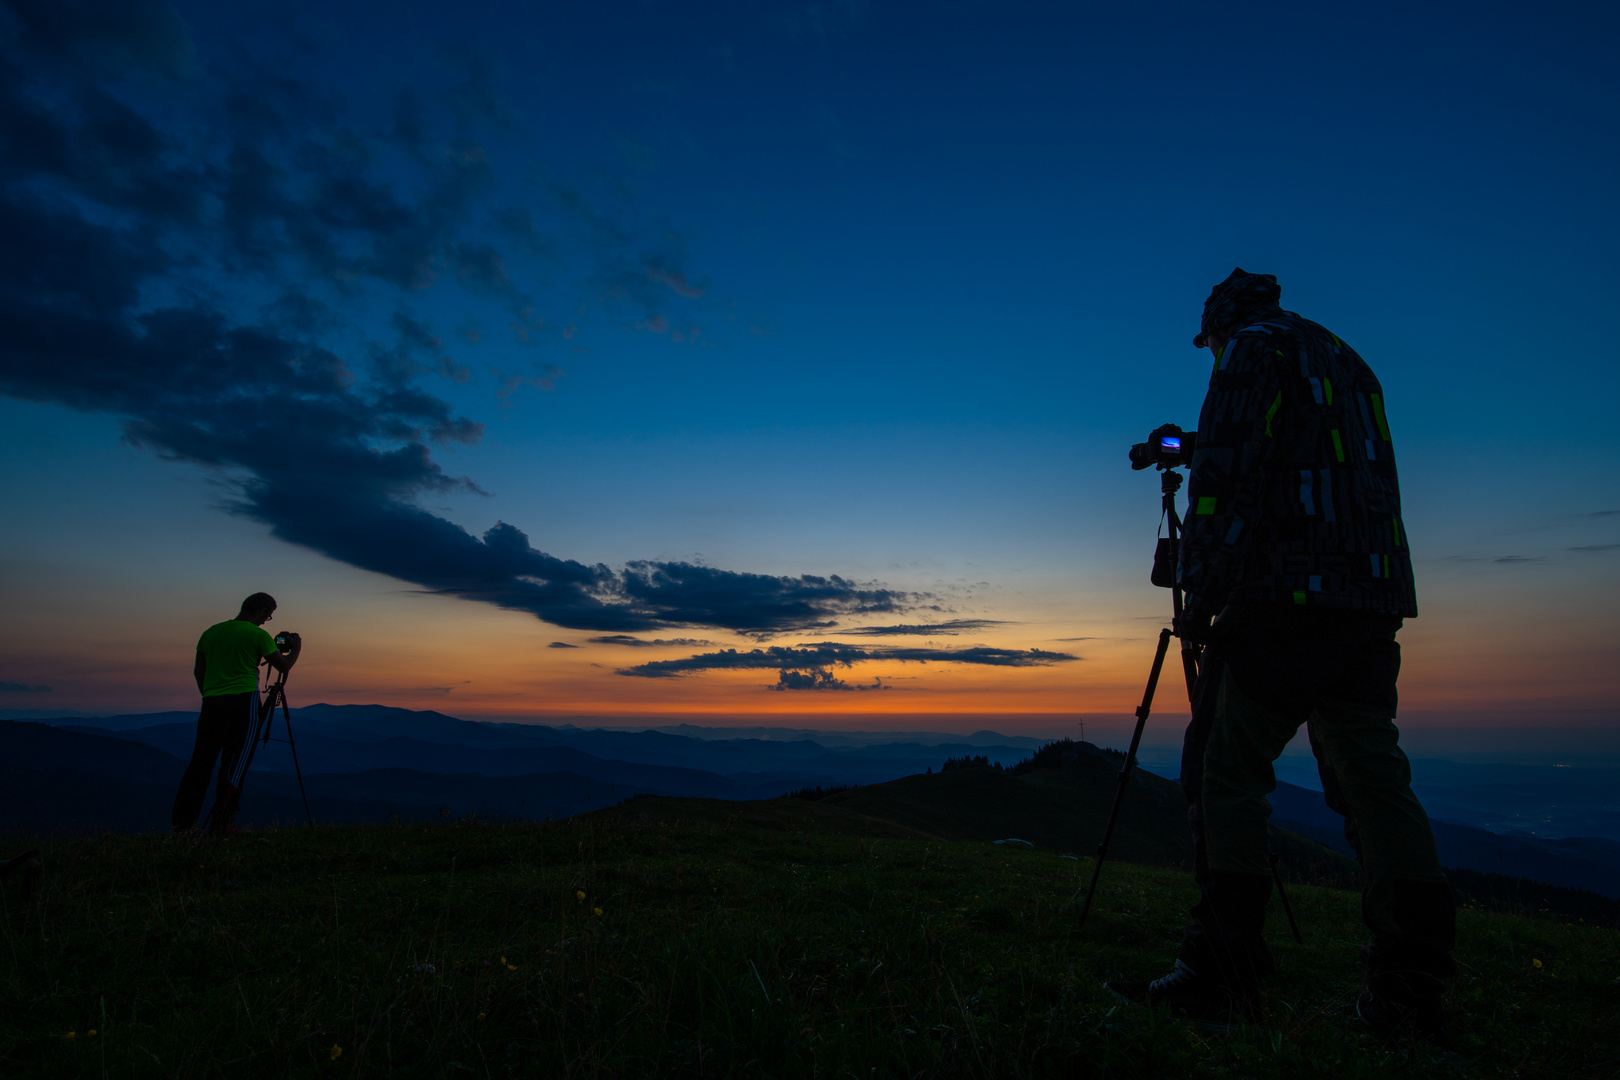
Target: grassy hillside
<point>671,937</point>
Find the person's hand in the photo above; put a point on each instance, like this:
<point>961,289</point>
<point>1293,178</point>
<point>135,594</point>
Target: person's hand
<point>1193,627</point>
<point>1197,627</point>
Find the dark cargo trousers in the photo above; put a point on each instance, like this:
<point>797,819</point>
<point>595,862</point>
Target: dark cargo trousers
<point>1267,671</point>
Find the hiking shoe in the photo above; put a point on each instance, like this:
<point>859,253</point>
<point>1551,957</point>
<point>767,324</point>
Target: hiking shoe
<point>1405,1003</point>
<point>1188,994</point>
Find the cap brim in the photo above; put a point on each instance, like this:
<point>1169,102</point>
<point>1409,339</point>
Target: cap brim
<point>1199,342</point>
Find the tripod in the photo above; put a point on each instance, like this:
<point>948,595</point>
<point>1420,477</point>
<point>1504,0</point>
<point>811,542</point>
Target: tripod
<point>259,726</point>
<point>1164,564</point>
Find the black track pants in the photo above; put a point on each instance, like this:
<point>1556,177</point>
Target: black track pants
<point>222,732</point>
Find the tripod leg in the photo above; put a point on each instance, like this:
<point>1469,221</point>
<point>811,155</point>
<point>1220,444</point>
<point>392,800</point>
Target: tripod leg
<point>222,811</point>
<point>287,719</point>
<point>1125,771</point>
<point>1282,894</point>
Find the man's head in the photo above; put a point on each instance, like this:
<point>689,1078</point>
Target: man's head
<point>1237,298</point>
<point>257,608</point>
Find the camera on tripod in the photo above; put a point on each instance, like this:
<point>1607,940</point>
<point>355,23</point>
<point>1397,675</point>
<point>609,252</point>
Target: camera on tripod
<point>285,641</point>
<point>1167,447</point>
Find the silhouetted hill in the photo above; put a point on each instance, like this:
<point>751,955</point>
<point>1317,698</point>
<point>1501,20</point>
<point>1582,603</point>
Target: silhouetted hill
<point>1064,808</point>
<point>54,780</point>
<point>754,767</point>
<point>318,753</point>
<point>757,764</point>
<point>31,747</point>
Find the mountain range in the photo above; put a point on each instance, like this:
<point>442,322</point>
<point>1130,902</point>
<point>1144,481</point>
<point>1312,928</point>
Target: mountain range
<point>375,763</point>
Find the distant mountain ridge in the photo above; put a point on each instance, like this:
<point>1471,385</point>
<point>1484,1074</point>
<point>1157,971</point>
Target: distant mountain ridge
<point>371,762</point>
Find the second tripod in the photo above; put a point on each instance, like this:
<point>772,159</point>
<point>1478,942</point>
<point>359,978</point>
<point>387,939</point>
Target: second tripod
<point>260,723</point>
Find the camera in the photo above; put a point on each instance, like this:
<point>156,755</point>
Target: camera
<point>1167,447</point>
<point>285,640</point>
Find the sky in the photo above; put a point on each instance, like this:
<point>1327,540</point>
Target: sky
<point>750,362</point>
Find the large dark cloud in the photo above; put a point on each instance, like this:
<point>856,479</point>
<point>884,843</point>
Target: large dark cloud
<point>825,655</point>
<point>204,270</point>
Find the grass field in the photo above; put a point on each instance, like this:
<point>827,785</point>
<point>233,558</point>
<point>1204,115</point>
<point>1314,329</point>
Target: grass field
<point>672,937</point>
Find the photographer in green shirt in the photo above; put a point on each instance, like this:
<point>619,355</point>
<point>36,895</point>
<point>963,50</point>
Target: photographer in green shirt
<point>227,674</point>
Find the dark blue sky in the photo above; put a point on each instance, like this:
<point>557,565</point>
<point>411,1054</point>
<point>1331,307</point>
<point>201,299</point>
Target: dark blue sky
<point>872,291</point>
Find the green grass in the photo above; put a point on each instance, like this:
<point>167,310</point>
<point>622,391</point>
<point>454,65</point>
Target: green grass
<point>760,939</point>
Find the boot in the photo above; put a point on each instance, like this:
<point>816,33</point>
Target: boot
<point>1187,993</point>
<point>1403,1003</point>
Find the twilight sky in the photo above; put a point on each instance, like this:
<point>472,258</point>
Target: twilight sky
<point>549,360</point>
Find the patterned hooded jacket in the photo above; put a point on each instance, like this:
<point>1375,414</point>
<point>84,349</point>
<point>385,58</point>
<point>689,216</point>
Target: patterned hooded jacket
<point>1293,497</point>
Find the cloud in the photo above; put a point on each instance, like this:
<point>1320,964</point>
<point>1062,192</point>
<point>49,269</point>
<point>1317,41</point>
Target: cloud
<point>22,688</point>
<point>820,679</point>
<point>681,594</point>
<point>642,643</point>
<point>813,679</point>
<point>1510,559</point>
<point>206,277</point>
<point>561,645</point>
<point>829,654</point>
<point>949,628</point>
<point>675,280</point>
<point>1589,548</point>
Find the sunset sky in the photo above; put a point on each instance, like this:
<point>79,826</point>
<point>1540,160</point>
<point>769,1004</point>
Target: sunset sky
<point>536,355</point>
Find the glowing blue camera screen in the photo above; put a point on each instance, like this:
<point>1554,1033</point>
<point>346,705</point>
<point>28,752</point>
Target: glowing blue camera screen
<point>1171,443</point>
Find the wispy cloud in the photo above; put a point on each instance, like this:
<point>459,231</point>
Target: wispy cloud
<point>950,628</point>
<point>829,654</point>
<point>641,643</point>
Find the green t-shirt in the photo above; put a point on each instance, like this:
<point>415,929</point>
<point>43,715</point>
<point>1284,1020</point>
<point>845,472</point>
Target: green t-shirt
<point>231,652</point>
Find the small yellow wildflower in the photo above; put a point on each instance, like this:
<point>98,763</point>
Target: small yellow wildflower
<point>71,1034</point>
<point>581,895</point>
<point>509,967</point>
<point>1537,963</point>
<point>337,1051</point>
<point>91,1033</point>
<point>480,1016</point>
<point>598,910</point>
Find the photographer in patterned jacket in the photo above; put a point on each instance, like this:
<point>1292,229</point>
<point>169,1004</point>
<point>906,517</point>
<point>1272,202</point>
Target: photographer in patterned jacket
<point>1297,575</point>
